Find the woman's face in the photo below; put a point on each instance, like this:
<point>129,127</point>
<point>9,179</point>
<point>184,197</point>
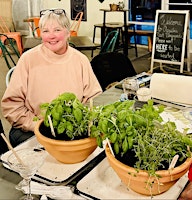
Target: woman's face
<point>55,37</point>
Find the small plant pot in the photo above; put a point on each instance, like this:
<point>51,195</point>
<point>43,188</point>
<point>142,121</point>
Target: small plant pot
<point>68,152</point>
<point>140,182</point>
<point>114,7</point>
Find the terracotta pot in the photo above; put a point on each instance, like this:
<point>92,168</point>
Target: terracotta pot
<point>66,151</point>
<point>114,7</point>
<point>137,181</point>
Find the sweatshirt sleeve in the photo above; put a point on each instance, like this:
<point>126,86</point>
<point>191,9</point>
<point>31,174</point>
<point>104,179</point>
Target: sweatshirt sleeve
<point>13,104</point>
<point>28,86</point>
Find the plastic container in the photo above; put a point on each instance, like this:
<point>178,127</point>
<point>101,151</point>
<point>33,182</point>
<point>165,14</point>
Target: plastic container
<point>143,94</point>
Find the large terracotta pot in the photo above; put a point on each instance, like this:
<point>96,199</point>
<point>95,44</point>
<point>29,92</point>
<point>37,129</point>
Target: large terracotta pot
<point>138,181</point>
<point>66,151</point>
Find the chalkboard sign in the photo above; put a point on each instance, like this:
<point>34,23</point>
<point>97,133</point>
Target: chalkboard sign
<point>170,35</point>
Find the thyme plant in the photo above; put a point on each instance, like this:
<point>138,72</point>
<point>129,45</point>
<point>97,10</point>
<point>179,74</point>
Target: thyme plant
<point>154,143</point>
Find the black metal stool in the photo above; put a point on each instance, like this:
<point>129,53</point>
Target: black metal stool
<point>132,27</point>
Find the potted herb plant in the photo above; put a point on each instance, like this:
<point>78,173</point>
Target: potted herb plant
<point>142,147</point>
<point>141,143</point>
<point>64,129</point>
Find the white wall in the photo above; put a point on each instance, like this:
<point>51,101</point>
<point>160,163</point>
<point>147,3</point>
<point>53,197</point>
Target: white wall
<point>23,9</point>
<point>94,15</point>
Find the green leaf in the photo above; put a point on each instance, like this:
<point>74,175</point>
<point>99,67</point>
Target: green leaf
<point>77,104</point>
<point>69,126</point>
<point>121,115</point>
<point>103,125</point>
<point>125,145</point>
<point>113,137</point>
<point>94,131</point>
<point>108,109</point>
<point>57,112</point>
<point>61,127</point>
<point>99,141</point>
<point>130,142</point>
<point>67,96</point>
<point>78,114</point>
<point>116,147</point>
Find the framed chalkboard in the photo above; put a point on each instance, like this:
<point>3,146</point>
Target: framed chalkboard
<point>79,6</point>
<point>170,36</point>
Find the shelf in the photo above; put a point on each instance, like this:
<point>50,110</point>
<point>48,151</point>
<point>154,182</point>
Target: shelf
<point>108,10</point>
<point>180,4</point>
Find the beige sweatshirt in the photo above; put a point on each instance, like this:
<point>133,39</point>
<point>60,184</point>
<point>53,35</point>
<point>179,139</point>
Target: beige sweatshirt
<point>39,77</point>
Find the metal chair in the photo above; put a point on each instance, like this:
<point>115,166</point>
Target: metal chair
<point>33,23</point>
<point>106,29</point>
<point>76,24</point>
<point>8,75</point>
<point>5,52</point>
<point>131,27</point>
<point>110,42</point>
<point>4,29</point>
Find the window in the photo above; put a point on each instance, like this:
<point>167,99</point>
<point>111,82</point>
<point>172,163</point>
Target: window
<point>143,10</point>
<point>181,5</point>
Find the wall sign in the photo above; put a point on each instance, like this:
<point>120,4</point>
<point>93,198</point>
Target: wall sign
<point>170,36</point>
<point>79,6</point>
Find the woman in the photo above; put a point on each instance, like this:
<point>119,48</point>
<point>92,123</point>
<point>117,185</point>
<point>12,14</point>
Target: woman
<point>43,73</point>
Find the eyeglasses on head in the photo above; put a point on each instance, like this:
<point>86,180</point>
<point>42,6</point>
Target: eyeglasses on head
<point>55,11</point>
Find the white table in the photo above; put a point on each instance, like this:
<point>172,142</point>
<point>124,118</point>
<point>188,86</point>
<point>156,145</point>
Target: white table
<point>91,184</point>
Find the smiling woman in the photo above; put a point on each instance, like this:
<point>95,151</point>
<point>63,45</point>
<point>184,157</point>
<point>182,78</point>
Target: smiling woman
<point>54,33</point>
<point>54,65</point>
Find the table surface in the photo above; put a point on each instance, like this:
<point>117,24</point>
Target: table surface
<point>82,43</point>
<point>9,179</point>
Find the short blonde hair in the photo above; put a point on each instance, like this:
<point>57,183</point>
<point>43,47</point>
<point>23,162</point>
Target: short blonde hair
<point>61,19</point>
